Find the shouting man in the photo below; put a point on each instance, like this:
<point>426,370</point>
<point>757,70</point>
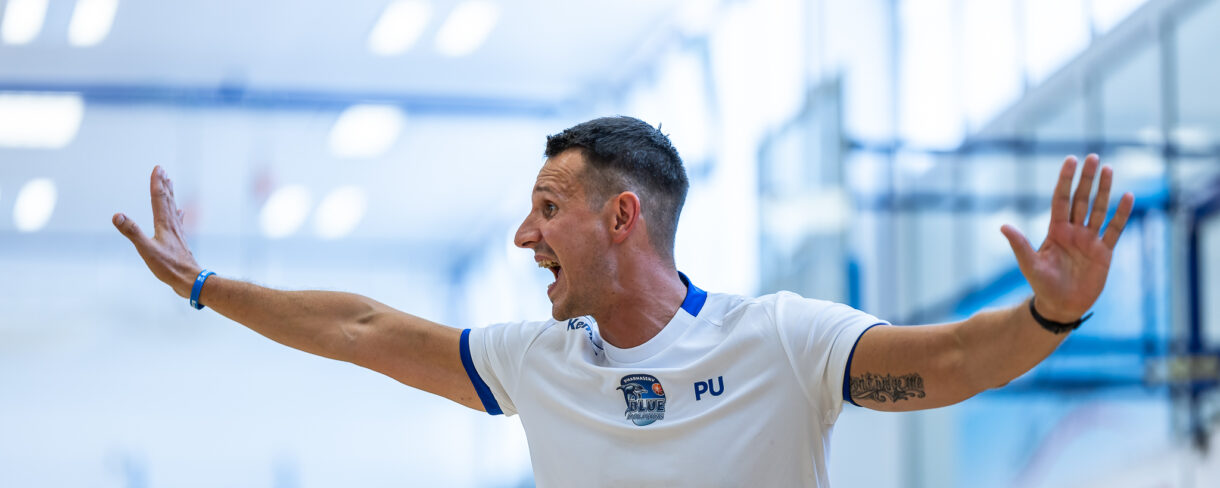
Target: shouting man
<point>654,381</point>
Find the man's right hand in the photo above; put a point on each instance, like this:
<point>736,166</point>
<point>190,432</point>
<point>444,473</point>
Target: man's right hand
<point>166,252</point>
<point>343,326</point>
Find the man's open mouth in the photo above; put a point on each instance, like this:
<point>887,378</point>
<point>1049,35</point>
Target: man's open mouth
<point>555,269</point>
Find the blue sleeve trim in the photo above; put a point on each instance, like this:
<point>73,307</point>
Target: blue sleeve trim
<point>847,370</point>
<point>489,401</point>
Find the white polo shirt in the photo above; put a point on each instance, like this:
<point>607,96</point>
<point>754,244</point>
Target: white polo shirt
<point>734,391</point>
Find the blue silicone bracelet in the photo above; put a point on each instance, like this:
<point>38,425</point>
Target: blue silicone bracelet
<point>203,276</point>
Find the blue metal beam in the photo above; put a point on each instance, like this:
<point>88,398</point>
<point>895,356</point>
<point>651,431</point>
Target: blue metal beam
<point>958,203</point>
<point>242,96</point>
<point>1026,147</point>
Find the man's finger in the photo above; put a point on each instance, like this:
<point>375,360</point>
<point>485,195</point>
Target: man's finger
<point>1119,222</point>
<point>1101,204</point>
<point>163,207</point>
<point>1061,202</point>
<point>129,228</point>
<point>1020,247</point>
<point>1080,203</point>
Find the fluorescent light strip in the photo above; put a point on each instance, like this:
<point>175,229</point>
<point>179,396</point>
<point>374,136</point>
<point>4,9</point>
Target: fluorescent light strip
<point>22,21</point>
<point>91,22</point>
<point>467,28</point>
<point>399,27</point>
<point>365,131</point>
<point>34,206</point>
<point>39,120</point>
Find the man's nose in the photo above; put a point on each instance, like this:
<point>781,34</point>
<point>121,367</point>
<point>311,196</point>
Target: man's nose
<point>527,235</point>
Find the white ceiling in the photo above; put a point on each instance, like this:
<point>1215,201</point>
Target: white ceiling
<point>539,50</point>
<point>451,179</point>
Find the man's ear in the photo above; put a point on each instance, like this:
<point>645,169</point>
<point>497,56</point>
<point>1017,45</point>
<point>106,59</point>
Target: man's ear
<point>627,214</point>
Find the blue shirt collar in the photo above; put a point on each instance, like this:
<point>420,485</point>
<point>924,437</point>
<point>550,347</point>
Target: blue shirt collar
<point>694,296</point>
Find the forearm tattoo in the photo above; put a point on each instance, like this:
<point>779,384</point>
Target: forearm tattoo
<point>886,388</point>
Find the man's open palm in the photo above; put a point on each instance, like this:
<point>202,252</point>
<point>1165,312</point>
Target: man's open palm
<point>1069,271</point>
<point>166,252</point>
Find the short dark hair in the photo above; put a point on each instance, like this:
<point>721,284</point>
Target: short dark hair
<point>626,154</point>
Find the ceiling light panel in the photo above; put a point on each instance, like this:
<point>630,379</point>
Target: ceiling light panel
<point>365,131</point>
<point>34,205</point>
<point>22,21</point>
<point>91,22</point>
<point>39,120</point>
<point>284,211</point>
<point>400,25</point>
<point>467,28</point>
<point>340,212</point>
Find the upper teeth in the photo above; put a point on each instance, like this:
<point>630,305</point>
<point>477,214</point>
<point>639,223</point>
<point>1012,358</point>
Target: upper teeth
<point>548,264</point>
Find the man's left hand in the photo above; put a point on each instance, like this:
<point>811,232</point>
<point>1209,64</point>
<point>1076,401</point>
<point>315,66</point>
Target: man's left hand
<point>1069,271</point>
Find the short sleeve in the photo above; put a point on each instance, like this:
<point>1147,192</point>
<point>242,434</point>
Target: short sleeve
<point>820,338</point>
<point>492,357</point>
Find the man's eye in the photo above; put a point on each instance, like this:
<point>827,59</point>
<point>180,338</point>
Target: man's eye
<point>549,209</point>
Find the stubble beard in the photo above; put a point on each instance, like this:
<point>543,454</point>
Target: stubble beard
<point>576,300</point>
<point>568,306</point>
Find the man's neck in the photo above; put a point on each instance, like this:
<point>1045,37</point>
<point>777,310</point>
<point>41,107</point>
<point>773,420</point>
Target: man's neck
<point>640,305</point>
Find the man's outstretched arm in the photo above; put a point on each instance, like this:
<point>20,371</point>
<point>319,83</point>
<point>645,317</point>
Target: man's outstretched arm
<point>913,368</point>
<point>341,326</point>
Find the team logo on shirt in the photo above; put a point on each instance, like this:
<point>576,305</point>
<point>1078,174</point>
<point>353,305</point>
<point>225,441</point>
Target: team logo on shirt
<point>645,398</point>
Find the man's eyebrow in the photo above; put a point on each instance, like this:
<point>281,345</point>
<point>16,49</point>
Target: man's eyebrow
<point>544,189</point>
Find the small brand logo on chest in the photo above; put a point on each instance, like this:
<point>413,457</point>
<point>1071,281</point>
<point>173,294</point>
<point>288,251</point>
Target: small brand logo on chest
<point>581,324</point>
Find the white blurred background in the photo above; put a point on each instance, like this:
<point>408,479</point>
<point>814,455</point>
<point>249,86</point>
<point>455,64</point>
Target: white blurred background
<point>861,151</point>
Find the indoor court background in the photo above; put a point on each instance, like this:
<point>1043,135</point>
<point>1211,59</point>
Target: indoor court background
<point>862,151</point>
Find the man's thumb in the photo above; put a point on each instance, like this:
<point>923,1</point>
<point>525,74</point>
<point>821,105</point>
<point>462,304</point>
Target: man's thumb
<point>128,227</point>
<point>1020,246</point>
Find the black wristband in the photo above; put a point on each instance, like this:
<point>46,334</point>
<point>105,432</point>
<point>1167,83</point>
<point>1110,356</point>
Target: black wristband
<point>1056,327</point>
